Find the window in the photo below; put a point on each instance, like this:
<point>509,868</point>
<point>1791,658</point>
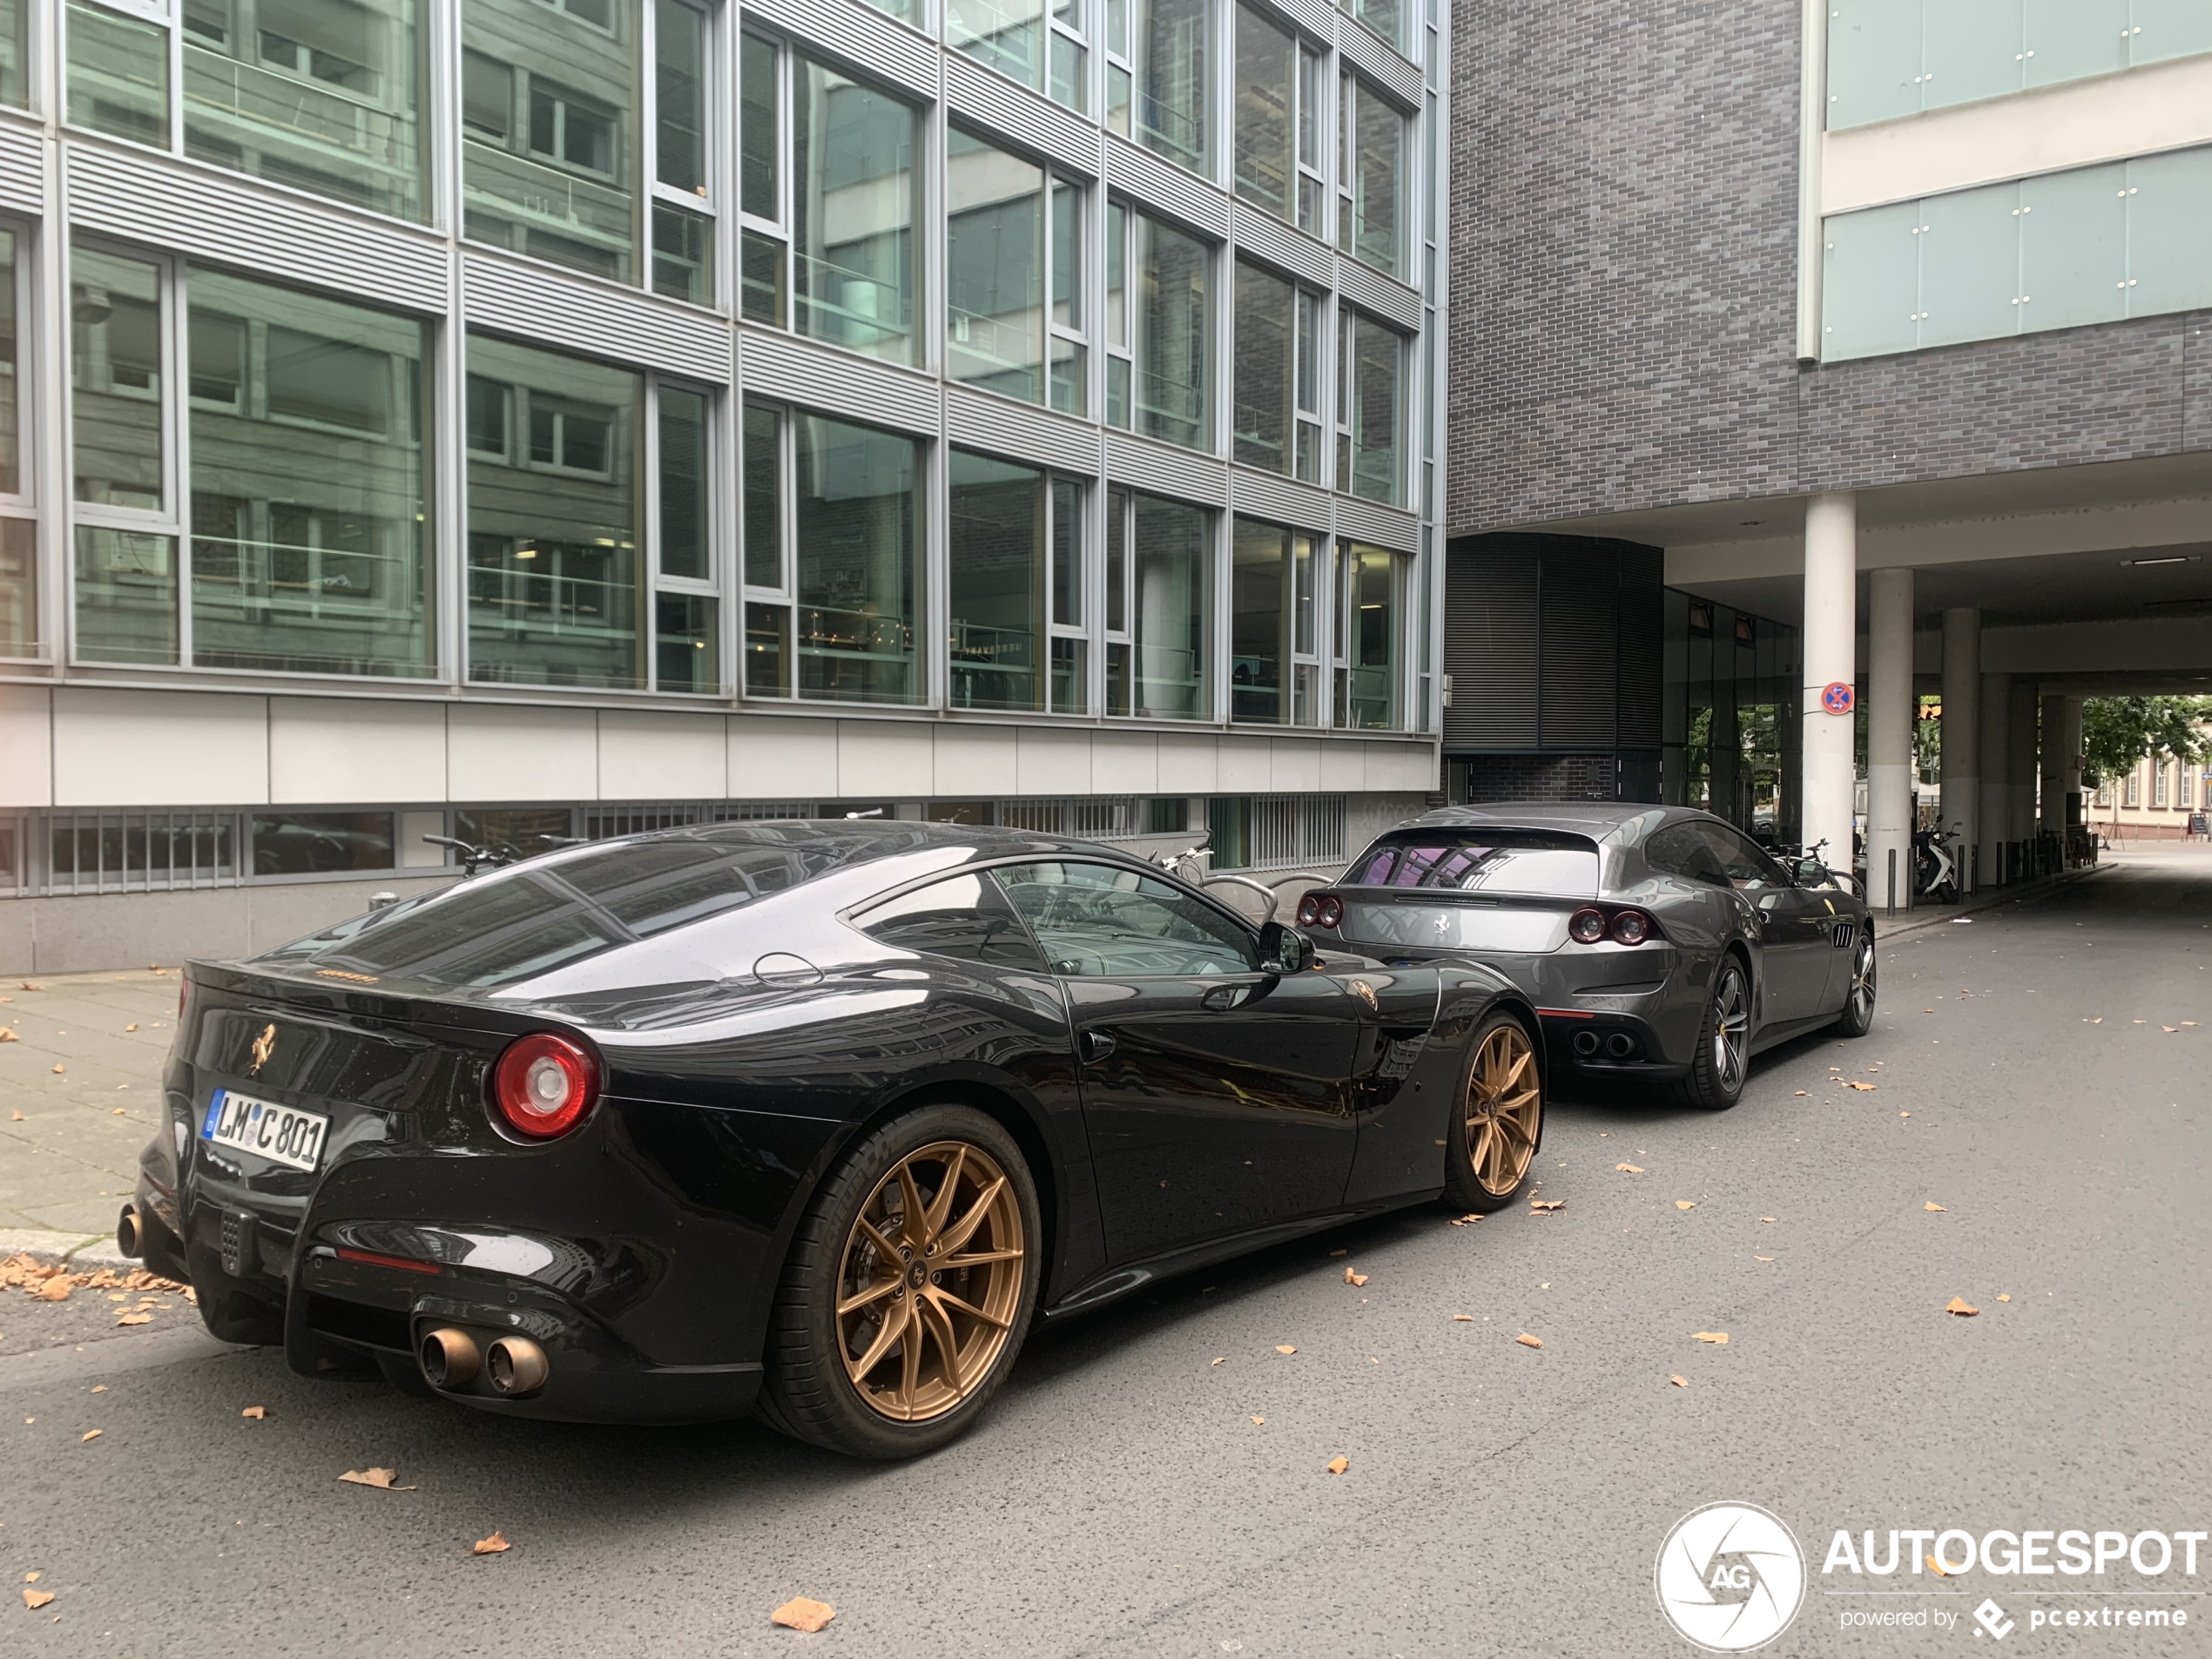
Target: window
<point>1483,861</point>
<point>1013,276</point>
<point>1158,577</point>
<point>321,843</point>
<point>965,917</point>
<point>1370,177</point>
<point>309,484</point>
<point>126,550</point>
<point>831,560</point>
<point>1095,919</point>
<point>1278,150</point>
<point>1015,583</point>
<point>1385,17</point>
<point>2158,774</point>
<point>1158,329</point>
<point>19,627</point>
<point>1277,369</point>
<point>686,614</point>
<point>1158,85</point>
<point>1275,831</point>
<point>568,139</point>
<point>15,34</point>
<point>1370,603</point>
<point>119,74</point>
<point>829,202</point>
<point>1369,408</point>
<point>1274,677</point>
<point>2135,786</point>
<point>1025,41</point>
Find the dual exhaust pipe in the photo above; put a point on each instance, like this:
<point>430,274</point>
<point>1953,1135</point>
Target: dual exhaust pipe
<point>1618,1046</point>
<point>512,1366</point>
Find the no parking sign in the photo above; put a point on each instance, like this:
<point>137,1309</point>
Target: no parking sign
<point>1838,698</point>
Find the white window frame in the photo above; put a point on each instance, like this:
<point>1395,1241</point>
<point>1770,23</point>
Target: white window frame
<point>713,585</point>
<point>706,201</point>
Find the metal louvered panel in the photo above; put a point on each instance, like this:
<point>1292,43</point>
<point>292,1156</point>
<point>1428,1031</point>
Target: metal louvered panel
<point>22,170</point>
<point>1582,583</point>
<point>1317,18</point>
<point>1165,469</point>
<point>1277,243</point>
<point>1379,63</point>
<point>783,366</point>
<point>1371,291</point>
<point>1020,431</point>
<point>597,319</point>
<point>1641,650</point>
<point>1035,122</point>
<point>1384,526</point>
<point>1263,494</point>
<point>1153,183</point>
<point>1491,597</point>
<point>861,35</point>
<point>237,221</point>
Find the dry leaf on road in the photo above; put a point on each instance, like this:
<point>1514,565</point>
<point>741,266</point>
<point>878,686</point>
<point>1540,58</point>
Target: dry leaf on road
<point>1865,1088</point>
<point>58,1069</point>
<point>1936,1567</point>
<point>381,1478</point>
<point>257,1413</point>
<point>1934,1208</point>
<point>1685,1204</point>
<point>1463,1319</point>
<point>495,1545</point>
<point>1718,1337</point>
<point>54,1290</point>
<point>1528,1341</point>
<point>1259,1422</point>
<point>1219,1359</point>
<point>800,1614</point>
<point>136,1319</point>
<point>89,1434</point>
<point>1461,1221</point>
<point>2003,1298</point>
<point>1958,1305</point>
<point>1762,1258</point>
<point>1284,1347</point>
<point>1350,1277</point>
<point>1545,1206</point>
<point>1766,1217</point>
<point>1679,1381</point>
<point>1339,1464</point>
<point>31,1577</point>
<point>133,1026</point>
<point>36,1598</point>
<point>1628,1169</point>
<point>1801,1094</point>
<point>6,1036</point>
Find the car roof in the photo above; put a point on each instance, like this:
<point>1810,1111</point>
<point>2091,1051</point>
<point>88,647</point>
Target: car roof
<point>1596,819</point>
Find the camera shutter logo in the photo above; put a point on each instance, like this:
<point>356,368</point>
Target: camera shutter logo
<point>1730,1577</point>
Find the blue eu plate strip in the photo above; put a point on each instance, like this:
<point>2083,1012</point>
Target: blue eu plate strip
<point>214,1115</point>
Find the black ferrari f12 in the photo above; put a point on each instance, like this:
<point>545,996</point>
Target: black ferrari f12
<point>814,1117</point>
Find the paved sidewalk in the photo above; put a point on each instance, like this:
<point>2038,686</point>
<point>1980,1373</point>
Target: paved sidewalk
<point>80,1093</point>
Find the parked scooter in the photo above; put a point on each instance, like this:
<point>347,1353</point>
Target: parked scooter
<point>1935,866</point>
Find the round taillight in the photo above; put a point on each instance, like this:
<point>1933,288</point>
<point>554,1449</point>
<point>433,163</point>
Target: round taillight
<point>1632,927</point>
<point>1328,910</point>
<point>1309,912</point>
<point>543,1085</point>
<point>1586,927</point>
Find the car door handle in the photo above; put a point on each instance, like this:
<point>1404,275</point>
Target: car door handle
<point>1096,1046</point>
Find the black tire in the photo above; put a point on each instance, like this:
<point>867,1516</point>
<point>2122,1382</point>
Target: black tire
<point>1475,1177</point>
<point>808,1390</point>
<point>1723,1059</point>
<point>1857,1017</point>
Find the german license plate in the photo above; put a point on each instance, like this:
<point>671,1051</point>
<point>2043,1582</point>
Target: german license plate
<point>281,1134</point>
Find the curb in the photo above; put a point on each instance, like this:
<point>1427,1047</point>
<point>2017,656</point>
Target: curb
<point>82,1252</point>
<point>2013,894</point>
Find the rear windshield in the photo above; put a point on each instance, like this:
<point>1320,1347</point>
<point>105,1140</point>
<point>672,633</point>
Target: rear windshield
<point>492,930</point>
<point>1478,859</point>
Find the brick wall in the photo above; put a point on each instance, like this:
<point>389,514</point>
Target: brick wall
<point>1624,200</point>
<point>1529,777</point>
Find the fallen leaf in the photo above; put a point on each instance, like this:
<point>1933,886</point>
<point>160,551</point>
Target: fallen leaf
<point>1461,1221</point>
<point>2168,1028</point>
<point>1958,1305</point>
<point>1935,1566</point>
<point>2099,1019</point>
<point>1259,1422</point>
<point>28,986</point>
<point>257,1413</point>
<point>60,1069</point>
<point>136,1319</point>
<point>1766,1217</point>
<point>117,1111</point>
<point>1350,1277</point>
<point>1934,1208</point>
<point>99,1388</point>
<point>1528,1341</point>
<point>800,1614</point>
<point>7,1035</point>
<point>1628,1169</point>
<point>133,1026</point>
<point>1801,1094</point>
<point>1284,1347</point>
<point>89,1434</point>
<point>36,1598</point>
<point>381,1478</point>
<point>1905,1114</point>
<point>1339,1464</point>
<point>30,1577</point>
<point>1762,1258</point>
<point>1679,1381</point>
<point>495,1545</point>
<point>2003,1297</point>
<point>1545,1206</point>
<point>17,1117</point>
<point>1863,1087</point>
<point>1463,1319</point>
<point>1718,1337</point>
<point>54,1290</point>
<point>1219,1359</point>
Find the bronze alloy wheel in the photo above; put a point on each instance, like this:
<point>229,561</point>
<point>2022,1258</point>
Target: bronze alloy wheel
<point>930,1281</point>
<point>1505,1109</point>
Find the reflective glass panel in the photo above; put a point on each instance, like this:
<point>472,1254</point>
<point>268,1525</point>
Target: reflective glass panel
<point>1174,339</point>
<point>1009,35</point>
<point>118,75</point>
<point>116,373</point>
<point>10,378</point>
<point>1267,308</point>
<point>764,559</point>
<point>1172,77</point>
<point>686,657</point>
<point>1970,251</point>
<point>1259,590</point>
<point>994,268</point>
<point>682,254</point>
<point>1368,683</point>
<point>858,553</point>
<point>1374,358</point>
<point>1267,62</point>
<point>852,215</point>
<point>679,95</point>
<point>1374,167</point>
<point>2169,232</point>
<point>758,103</point>
<point>321,843</point>
<point>18,586</point>
<point>2073,247</point>
<point>1170,607</point>
<point>15,31</point>
<point>126,596</point>
<point>996,513</point>
<point>684,470</point>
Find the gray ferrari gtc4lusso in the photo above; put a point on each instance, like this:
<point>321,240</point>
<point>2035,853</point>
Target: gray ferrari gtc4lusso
<point>1656,942</point>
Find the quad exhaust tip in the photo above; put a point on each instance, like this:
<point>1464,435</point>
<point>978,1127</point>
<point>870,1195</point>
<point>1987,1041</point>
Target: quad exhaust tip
<point>516,1366</point>
<point>1620,1045</point>
<point>450,1358</point>
<point>131,1233</point>
<point>1586,1043</point>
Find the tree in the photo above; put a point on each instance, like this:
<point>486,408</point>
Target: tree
<point>2117,731</point>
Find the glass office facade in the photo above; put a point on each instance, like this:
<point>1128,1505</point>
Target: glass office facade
<point>1729,721</point>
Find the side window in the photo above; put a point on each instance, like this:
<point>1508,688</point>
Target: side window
<point>1682,851</point>
<point>965,917</point>
<point>1745,865</point>
<point>1096,921</point>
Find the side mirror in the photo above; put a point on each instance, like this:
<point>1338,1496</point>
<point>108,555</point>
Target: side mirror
<point>1811,872</point>
<point>1284,950</point>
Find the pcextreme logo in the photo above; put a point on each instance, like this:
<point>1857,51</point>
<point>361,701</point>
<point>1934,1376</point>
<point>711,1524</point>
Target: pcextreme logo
<point>1730,1577</point>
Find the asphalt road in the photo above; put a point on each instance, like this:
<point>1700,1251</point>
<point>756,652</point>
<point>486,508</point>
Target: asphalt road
<point>1499,1499</point>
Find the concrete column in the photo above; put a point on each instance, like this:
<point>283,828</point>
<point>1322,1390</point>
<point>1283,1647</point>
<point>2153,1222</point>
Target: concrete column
<point>1830,644</point>
<point>1994,752</point>
<point>2051,739</point>
<point>2071,805</point>
<point>1890,708</point>
<point>1960,817</point>
<point>2019,765</point>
